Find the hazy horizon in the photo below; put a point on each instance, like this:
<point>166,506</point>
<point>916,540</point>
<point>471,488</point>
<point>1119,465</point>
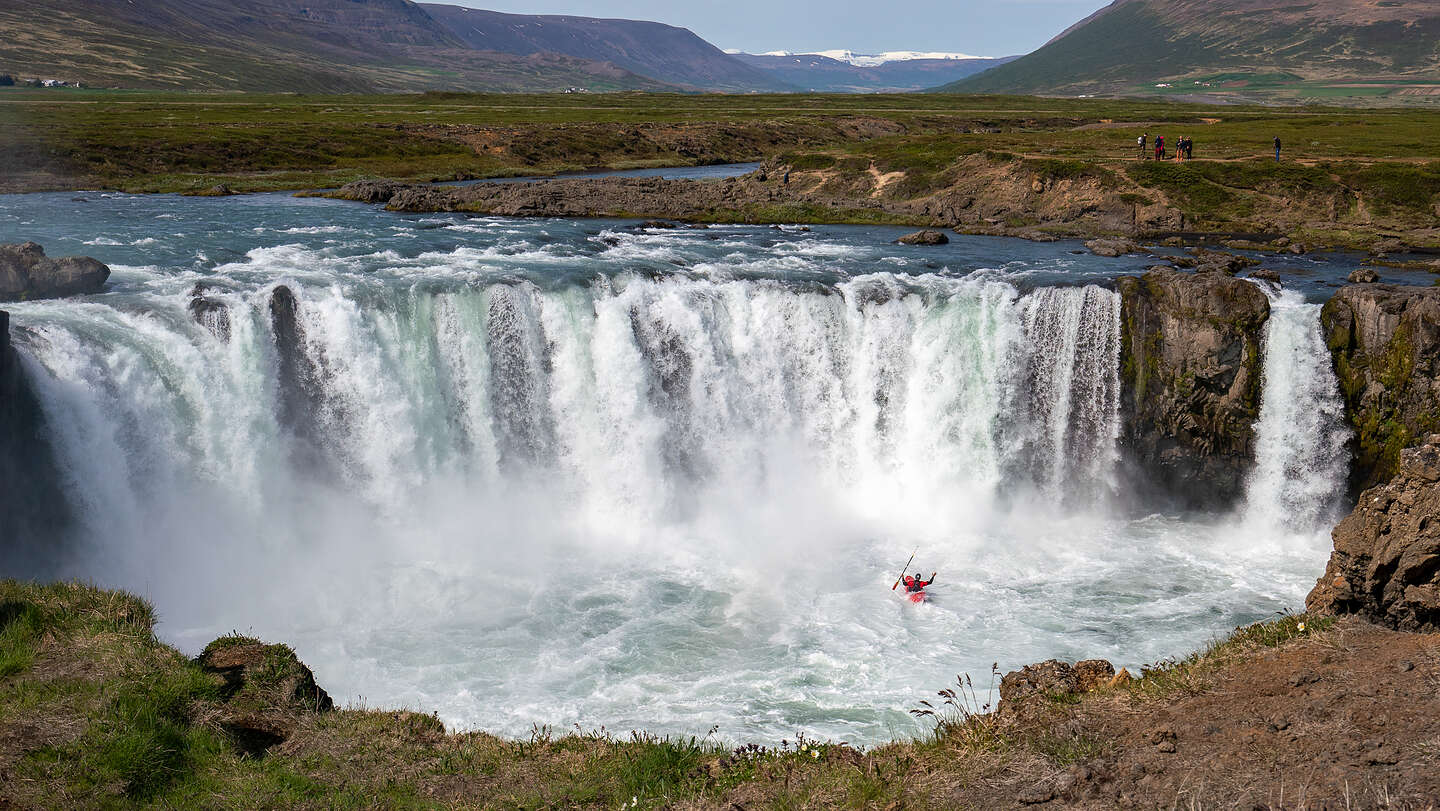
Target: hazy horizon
<point>804,26</point>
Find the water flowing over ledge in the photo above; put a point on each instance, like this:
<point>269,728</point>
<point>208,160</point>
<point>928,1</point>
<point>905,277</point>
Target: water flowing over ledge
<point>487,480</point>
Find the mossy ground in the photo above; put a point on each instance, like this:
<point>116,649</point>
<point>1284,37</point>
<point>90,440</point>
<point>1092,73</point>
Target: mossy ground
<point>95,712</point>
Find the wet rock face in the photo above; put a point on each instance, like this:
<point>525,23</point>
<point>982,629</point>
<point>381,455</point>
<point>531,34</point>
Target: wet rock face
<point>1385,342</point>
<point>1386,563</point>
<point>1190,382</point>
<point>26,273</point>
<point>35,509</point>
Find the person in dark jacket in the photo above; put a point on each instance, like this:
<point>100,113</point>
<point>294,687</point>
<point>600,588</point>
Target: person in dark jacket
<point>1141,141</point>
<point>1277,149</point>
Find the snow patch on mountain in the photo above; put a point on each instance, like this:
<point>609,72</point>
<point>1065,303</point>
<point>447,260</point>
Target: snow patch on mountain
<point>871,60</point>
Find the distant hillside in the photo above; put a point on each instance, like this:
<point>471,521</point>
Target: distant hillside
<point>823,74</point>
<point>662,52</point>
<point>301,45</point>
<point>1243,47</point>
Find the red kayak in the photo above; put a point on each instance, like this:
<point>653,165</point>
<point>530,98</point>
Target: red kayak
<point>918,596</point>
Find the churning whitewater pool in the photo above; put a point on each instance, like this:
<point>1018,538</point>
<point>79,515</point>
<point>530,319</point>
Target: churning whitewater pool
<point>564,472</point>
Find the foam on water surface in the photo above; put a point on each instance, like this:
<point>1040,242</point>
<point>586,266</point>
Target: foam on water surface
<point>562,472</point>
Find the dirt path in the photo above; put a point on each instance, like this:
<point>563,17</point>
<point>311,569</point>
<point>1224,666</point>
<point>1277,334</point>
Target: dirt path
<point>1347,719</point>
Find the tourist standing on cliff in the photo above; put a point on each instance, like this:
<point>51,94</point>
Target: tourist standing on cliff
<point>1277,149</point>
<point>1159,147</point>
<point>1141,141</point>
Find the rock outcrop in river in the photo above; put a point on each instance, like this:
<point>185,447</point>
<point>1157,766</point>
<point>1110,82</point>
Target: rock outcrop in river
<point>27,273</point>
<point>604,197</point>
<point>1190,376</point>
<point>1385,339</point>
<point>1386,563</point>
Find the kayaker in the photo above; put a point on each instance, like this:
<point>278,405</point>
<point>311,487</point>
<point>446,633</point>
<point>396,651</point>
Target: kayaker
<point>914,584</point>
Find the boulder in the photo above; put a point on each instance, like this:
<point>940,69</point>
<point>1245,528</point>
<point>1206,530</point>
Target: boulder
<point>926,237</point>
<point>369,191</point>
<point>1054,678</point>
<point>267,691</point>
<point>210,313</point>
<point>26,273</point>
<point>1221,262</point>
<point>1385,343</point>
<point>662,225</point>
<point>1093,674</point>
<point>1363,276</point>
<point>1190,383</point>
<point>1265,275</point>
<point>1112,247</point>
<point>1386,562</point>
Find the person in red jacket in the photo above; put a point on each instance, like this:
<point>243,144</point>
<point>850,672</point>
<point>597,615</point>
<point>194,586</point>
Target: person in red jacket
<point>914,584</point>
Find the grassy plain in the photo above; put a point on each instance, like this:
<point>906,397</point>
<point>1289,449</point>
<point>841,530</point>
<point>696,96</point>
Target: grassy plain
<point>145,141</point>
<point>1348,178</point>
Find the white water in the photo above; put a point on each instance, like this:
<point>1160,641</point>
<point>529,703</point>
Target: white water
<point>1298,482</point>
<point>660,501</point>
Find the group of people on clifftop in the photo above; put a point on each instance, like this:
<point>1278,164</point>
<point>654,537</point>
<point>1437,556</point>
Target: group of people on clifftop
<point>1184,148</point>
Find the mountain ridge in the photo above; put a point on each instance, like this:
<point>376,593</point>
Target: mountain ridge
<point>663,52</point>
<point>297,45</point>
<point>1240,43</point>
<point>825,74</point>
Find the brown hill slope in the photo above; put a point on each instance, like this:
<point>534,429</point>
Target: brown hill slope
<point>310,46</point>
<point>1224,46</point>
<point>662,52</point>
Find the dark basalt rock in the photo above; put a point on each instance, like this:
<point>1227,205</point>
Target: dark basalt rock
<point>1265,275</point>
<point>1363,276</point>
<point>926,237</point>
<point>1207,261</point>
<point>26,273</point>
<point>35,507</point>
<point>1190,383</point>
<point>1386,562</point>
<point>209,313</point>
<point>300,379</point>
<point>1385,342</point>
<point>1112,247</point>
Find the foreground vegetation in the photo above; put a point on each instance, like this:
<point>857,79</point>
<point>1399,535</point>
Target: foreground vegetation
<point>96,712</point>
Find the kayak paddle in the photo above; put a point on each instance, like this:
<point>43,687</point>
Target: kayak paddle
<point>906,569</point>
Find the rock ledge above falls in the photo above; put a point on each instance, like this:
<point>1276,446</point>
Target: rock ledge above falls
<point>26,273</point>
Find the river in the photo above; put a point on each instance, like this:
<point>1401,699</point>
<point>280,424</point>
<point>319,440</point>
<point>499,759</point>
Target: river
<point>565,472</point>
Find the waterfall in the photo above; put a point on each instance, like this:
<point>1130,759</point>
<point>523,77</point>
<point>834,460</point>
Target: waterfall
<point>1298,482</point>
<point>633,396</point>
<point>1071,389</point>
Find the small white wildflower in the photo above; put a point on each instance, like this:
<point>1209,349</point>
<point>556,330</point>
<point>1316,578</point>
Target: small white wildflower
<point>634,802</point>
<point>1300,627</point>
<point>815,753</point>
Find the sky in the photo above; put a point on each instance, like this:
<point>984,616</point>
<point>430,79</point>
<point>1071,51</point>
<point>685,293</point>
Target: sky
<point>979,27</point>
